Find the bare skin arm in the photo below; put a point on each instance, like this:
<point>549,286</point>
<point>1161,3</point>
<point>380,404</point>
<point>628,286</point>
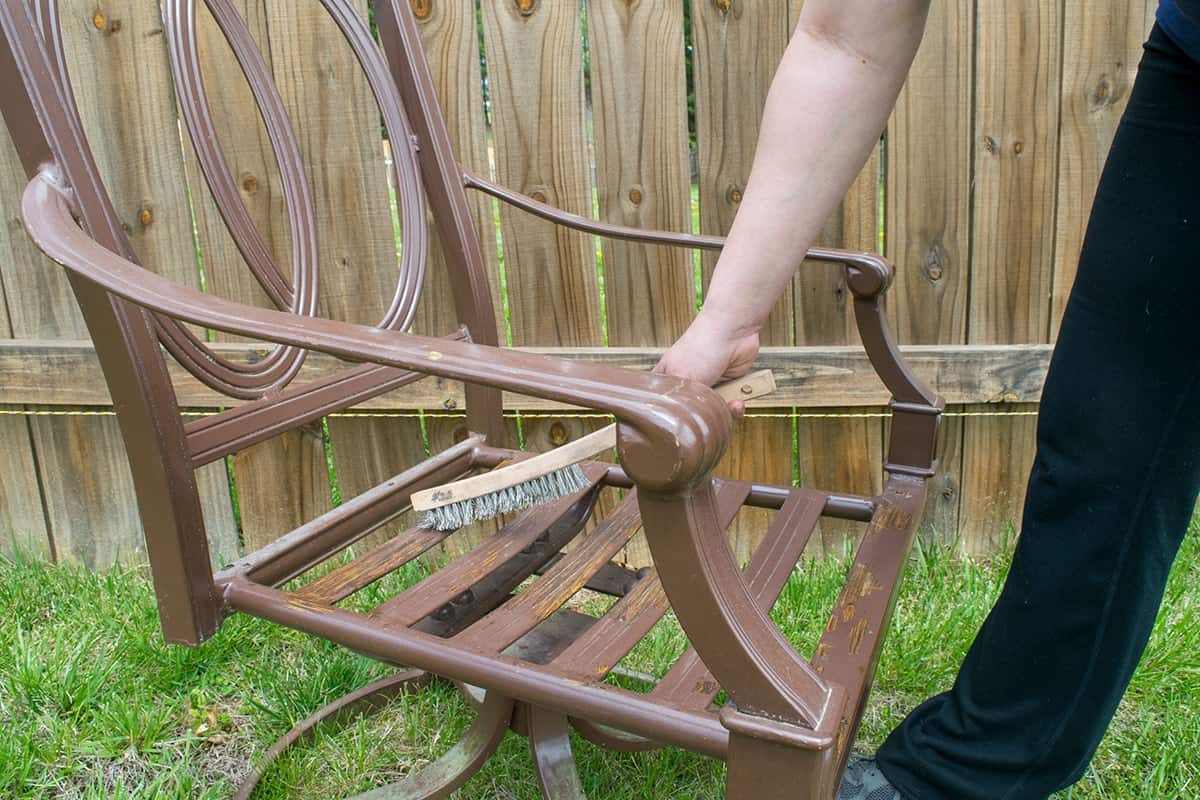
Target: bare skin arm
<point>829,102</point>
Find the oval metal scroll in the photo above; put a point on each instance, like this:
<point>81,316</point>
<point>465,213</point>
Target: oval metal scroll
<point>299,295</point>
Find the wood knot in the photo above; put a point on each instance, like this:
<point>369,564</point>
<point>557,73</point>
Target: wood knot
<point>525,7</point>
<point>145,216</point>
<point>99,21</point>
<point>635,196</point>
<point>1104,94</point>
<point>1018,147</point>
<point>723,6</point>
<point>249,184</point>
<point>538,195</point>
<point>990,145</point>
<point>422,8</point>
<point>558,434</point>
<point>934,264</point>
<point>460,434</point>
<point>734,195</point>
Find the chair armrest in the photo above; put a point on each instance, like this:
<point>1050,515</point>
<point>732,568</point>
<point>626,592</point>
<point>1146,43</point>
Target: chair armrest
<point>672,431</point>
<point>869,274</point>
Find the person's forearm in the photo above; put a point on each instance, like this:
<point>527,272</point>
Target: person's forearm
<point>827,106</point>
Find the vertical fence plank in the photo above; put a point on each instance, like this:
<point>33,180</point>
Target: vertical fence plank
<point>451,43</point>
<point>639,114</point>
<point>143,170</point>
<point>1018,71</point>
<point>845,454</point>
<point>335,116</point>
<point>736,50</point>
<point>535,75</point>
<point>283,481</point>
<point>929,219</point>
<point>1102,44</point>
<point>22,519</point>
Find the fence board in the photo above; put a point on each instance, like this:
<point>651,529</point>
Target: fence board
<point>842,454</point>
<point>292,459</point>
<point>1102,44</point>
<point>333,111</point>
<point>22,518</point>
<point>53,373</point>
<point>1018,70</point>
<point>448,31</point>
<point>535,74</point>
<point>639,114</point>
<point>736,50</point>
<point>929,217</point>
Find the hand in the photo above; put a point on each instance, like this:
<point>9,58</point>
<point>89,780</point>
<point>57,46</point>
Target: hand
<point>711,353</point>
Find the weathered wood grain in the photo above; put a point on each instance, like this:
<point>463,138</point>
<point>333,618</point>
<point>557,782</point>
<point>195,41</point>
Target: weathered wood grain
<point>1018,69</point>
<point>1102,44</point>
<point>535,75</point>
<point>22,518</point>
<point>736,50</point>
<point>639,116</point>
<point>335,117</point>
<point>244,142</point>
<point>928,230</point>
<point>57,372</point>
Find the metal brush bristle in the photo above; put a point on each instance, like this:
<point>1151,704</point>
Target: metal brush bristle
<point>532,492</point>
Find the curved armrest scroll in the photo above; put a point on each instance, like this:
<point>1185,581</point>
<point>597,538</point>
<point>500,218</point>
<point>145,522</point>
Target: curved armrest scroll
<point>675,430</point>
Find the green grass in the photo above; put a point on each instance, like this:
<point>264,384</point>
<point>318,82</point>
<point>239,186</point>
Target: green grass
<point>94,705</point>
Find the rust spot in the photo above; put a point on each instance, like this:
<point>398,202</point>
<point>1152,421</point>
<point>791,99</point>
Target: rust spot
<point>558,434</point>
<point>1018,147</point>
<point>635,196</point>
<point>861,584</point>
<point>249,183</point>
<point>857,634</point>
<point>422,8</point>
<point>723,5</point>
<point>145,216</point>
<point>892,517</point>
<point>525,7</point>
<point>99,21</point>
<point>538,195</point>
<point>734,195</point>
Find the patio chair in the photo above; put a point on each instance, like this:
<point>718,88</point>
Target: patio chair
<point>522,660</point>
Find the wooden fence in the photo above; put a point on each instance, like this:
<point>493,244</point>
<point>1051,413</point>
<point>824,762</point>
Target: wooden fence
<point>979,191</point>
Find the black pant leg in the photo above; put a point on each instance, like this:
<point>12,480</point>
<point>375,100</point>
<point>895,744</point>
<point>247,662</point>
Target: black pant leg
<point>1113,486</point>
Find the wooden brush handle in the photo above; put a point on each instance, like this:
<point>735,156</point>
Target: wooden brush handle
<point>756,384</point>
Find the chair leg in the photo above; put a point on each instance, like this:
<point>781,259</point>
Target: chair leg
<point>762,770</point>
<point>452,770</point>
<point>551,745</point>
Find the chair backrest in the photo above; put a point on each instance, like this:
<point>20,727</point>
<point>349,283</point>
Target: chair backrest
<point>41,113</point>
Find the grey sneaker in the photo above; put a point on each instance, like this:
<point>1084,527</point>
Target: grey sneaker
<point>864,781</point>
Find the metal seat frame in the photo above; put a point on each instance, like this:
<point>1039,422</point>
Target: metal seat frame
<point>523,660</point>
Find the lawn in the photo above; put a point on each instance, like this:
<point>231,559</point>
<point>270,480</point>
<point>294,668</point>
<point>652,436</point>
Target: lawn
<point>93,705</point>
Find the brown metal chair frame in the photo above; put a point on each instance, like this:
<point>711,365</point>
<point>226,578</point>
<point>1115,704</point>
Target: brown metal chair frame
<point>788,721</point>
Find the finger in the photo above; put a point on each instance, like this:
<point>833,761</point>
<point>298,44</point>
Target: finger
<point>738,408</point>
